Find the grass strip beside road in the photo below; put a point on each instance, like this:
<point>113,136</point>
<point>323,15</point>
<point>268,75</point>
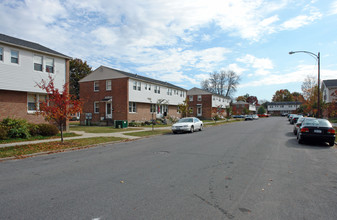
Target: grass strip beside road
<point>35,138</point>
<point>25,150</point>
<point>100,129</point>
<point>148,133</point>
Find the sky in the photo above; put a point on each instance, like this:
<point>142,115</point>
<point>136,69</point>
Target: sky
<point>183,41</point>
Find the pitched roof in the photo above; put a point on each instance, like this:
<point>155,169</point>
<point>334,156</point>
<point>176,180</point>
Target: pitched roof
<point>29,45</point>
<point>240,102</point>
<point>95,75</point>
<point>330,83</point>
<point>197,91</point>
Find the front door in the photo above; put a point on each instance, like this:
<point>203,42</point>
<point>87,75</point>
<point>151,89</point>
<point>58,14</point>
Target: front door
<point>108,110</point>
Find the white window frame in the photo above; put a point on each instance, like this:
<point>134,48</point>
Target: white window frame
<point>135,85</point>
<point>40,64</point>
<point>96,107</point>
<point>139,86</point>
<point>47,67</point>
<point>132,107</point>
<point>108,85</point>
<point>199,97</point>
<point>37,100</point>
<point>1,54</point>
<point>18,55</point>
<point>199,108</point>
<point>96,86</point>
<point>190,98</point>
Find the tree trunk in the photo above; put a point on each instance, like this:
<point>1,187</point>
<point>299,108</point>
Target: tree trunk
<point>61,133</point>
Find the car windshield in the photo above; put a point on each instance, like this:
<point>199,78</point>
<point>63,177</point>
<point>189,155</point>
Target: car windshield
<point>185,120</point>
<point>317,122</point>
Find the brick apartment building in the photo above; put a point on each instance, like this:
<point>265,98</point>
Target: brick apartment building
<point>238,108</point>
<point>110,94</point>
<point>22,65</point>
<point>204,104</point>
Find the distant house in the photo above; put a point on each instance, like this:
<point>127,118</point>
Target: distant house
<point>22,65</point>
<point>240,107</point>
<point>329,88</point>
<point>111,94</point>
<point>204,104</point>
<point>277,108</point>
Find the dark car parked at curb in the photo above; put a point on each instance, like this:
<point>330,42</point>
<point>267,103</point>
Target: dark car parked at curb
<point>299,122</point>
<point>295,118</point>
<point>316,130</point>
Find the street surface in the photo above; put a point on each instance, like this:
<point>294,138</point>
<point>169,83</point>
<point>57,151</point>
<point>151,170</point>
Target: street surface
<point>244,170</point>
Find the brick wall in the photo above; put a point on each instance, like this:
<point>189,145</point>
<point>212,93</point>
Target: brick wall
<point>13,104</point>
<point>119,94</point>
<point>206,102</point>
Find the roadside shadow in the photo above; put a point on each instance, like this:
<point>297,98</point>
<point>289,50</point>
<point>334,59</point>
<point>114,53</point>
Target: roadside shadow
<point>312,145</point>
<point>290,134</point>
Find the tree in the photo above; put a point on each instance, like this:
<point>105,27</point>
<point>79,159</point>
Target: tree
<point>261,110</point>
<point>241,98</point>
<point>60,105</point>
<point>245,111</point>
<point>184,108</point>
<point>252,100</point>
<point>282,95</point>
<point>307,86</point>
<point>222,83</point>
<point>78,70</point>
<point>298,97</point>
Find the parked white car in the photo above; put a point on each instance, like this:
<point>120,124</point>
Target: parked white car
<point>189,124</point>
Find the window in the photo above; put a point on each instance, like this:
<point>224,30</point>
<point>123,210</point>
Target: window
<point>146,86</point>
<point>199,110</point>
<point>134,85</point>
<point>153,108</point>
<point>139,86</point>
<point>191,110</point>
<point>96,107</point>
<point>96,86</point>
<point>31,102</point>
<point>38,63</point>
<point>14,56</point>
<point>34,100</point>
<point>191,98</point>
<point>169,91</point>
<point>1,53</point>
<point>49,65</point>
<point>108,85</point>
<point>132,107</point>
<point>149,86</point>
<point>199,97</point>
<point>156,89</point>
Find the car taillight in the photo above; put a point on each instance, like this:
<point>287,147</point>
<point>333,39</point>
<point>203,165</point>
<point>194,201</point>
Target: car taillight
<point>298,125</point>
<point>331,131</point>
<point>304,130</point>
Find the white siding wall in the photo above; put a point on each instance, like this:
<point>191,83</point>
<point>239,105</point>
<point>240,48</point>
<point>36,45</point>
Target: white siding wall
<point>22,76</point>
<point>144,95</point>
<point>282,107</point>
<point>217,101</point>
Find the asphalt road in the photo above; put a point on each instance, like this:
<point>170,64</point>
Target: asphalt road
<point>244,170</point>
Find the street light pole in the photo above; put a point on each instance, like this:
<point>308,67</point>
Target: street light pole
<point>319,74</point>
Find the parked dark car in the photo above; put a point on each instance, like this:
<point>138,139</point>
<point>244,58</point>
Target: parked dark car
<point>238,116</point>
<point>316,130</point>
<point>299,122</point>
<point>294,119</point>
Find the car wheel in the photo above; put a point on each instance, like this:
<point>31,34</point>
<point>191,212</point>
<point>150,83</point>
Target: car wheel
<point>295,132</point>
<point>200,129</point>
<point>331,143</point>
<point>192,129</point>
<point>174,132</point>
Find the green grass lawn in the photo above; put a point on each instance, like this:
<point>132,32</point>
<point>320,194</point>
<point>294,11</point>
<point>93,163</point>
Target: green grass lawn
<point>100,129</point>
<point>38,138</point>
<point>148,133</point>
<point>57,146</point>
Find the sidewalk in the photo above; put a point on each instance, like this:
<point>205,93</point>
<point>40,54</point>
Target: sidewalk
<point>83,134</point>
<point>121,134</point>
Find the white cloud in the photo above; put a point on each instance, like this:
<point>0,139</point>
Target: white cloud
<point>333,8</point>
<point>300,21</point>
<point>262,65</point>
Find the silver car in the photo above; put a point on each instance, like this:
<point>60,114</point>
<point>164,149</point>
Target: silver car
<point>189,124</point>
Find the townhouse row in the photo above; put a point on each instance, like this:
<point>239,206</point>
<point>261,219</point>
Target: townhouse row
<point>108,94</point>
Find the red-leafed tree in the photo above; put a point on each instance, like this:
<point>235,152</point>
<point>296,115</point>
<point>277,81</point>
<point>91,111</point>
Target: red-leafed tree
<point>252,100</point>
<point>60,105</point>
